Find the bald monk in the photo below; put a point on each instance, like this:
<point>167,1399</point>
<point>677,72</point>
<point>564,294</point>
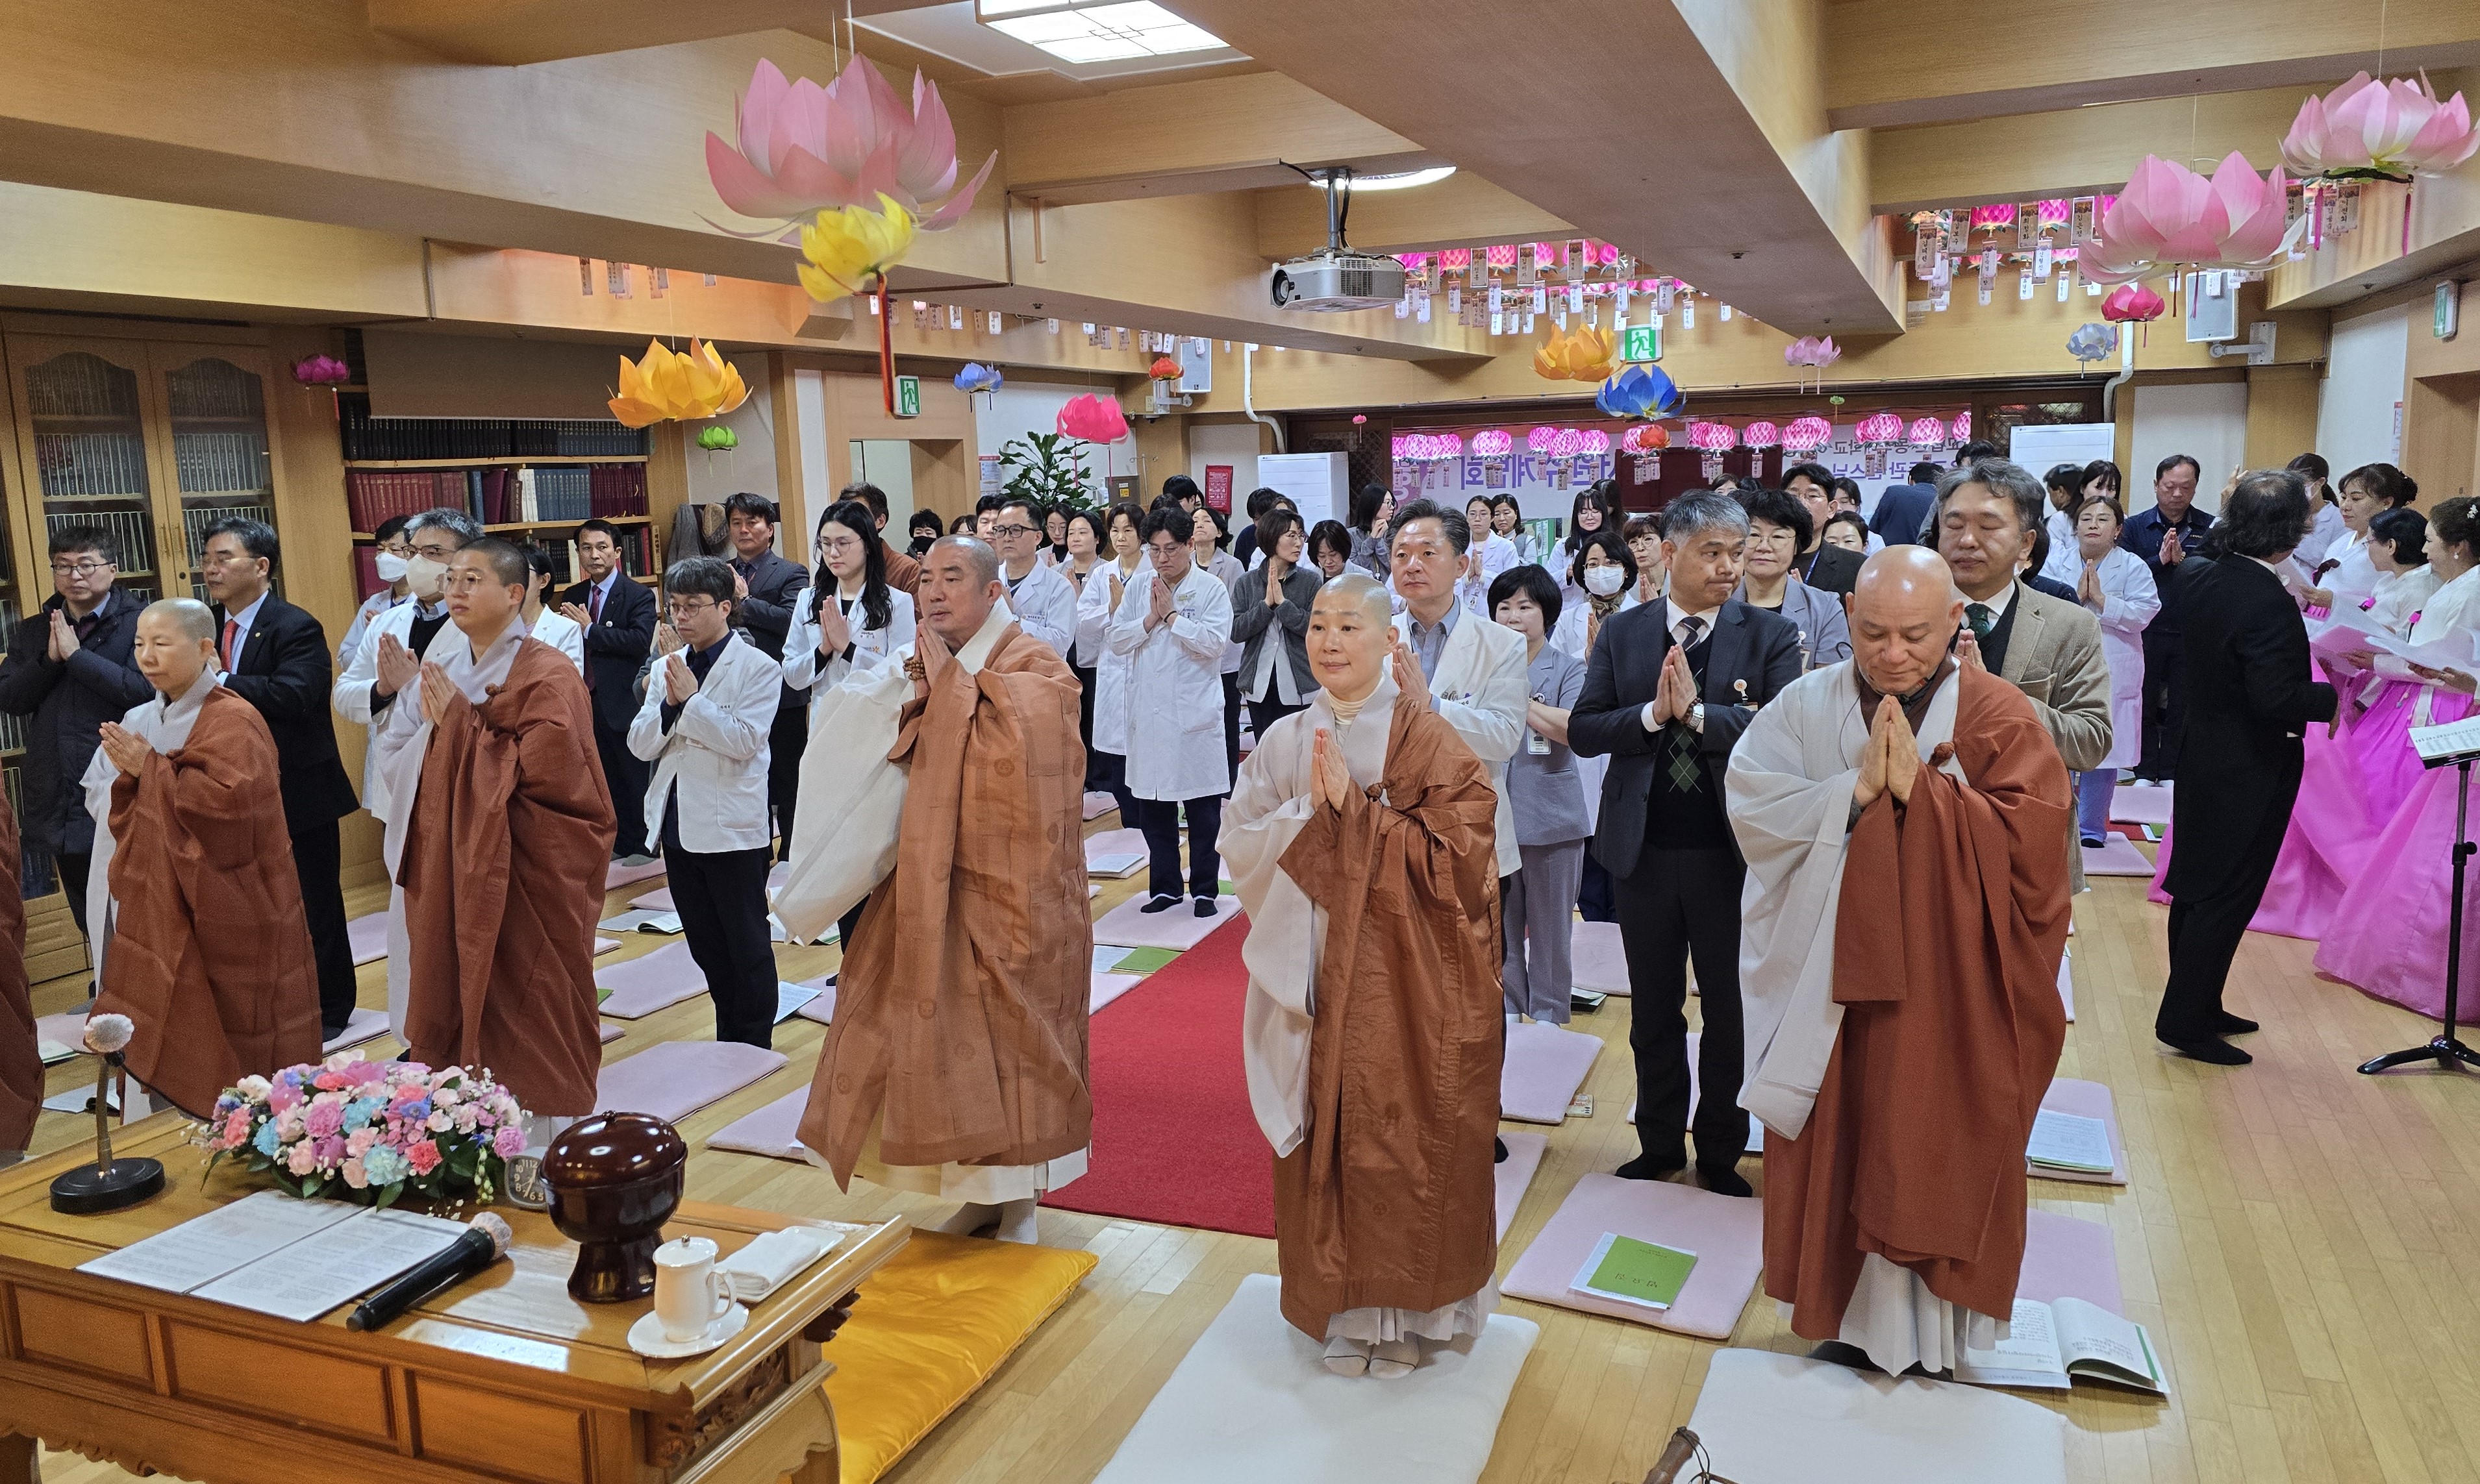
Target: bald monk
<point>1360,837</point>
<point>505,846</point>
<point>21,1063</point>
<point>1904,822</point>
<point>198,909</point>
<point>956,1063</point>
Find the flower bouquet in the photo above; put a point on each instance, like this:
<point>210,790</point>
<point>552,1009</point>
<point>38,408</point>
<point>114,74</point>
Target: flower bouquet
<point>373,1132</point>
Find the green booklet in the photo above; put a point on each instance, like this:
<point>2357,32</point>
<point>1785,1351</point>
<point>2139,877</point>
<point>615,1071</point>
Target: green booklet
<point>1635,1272</point>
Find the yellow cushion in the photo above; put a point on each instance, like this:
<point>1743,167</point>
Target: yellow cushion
<point>930,1328</point>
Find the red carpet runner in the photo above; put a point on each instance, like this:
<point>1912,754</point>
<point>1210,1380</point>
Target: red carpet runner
<point>1173,1138</point>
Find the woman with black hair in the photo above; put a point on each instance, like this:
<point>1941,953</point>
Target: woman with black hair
<point>1106,755</point>
<point>1778,531</point>
<point>2398,549</point>
<point>2344,574</point>
<point>1507,519</point>
<point>1600,575</point>
<point>1373,505</point>
<point>1330,549</point>
<point>1589,516</point>
<point>1545,793</point>
<point>924,528</point>
<point>1087,540</point>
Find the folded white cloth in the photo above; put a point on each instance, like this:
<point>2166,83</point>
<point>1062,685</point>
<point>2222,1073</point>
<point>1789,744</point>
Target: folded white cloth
<point>774,1259</point>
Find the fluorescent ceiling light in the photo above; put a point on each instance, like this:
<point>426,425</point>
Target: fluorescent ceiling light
<point>1404,180</point>
<point>1095,32</point>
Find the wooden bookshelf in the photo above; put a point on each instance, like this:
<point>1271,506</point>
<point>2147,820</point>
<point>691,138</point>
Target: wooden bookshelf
<point>505,462</point>
<point>609,519</point>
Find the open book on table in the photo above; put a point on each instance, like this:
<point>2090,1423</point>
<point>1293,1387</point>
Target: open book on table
<point>2050,1347</point>
<point>278,1254</point>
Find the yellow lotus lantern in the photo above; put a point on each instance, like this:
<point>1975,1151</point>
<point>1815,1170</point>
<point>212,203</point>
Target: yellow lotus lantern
<point>844,250</point>
<point>1582,356</point>
<point>669,386</point>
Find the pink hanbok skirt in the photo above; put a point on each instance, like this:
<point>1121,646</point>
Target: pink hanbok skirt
<point>2387,938</point>
<point>2327,846</point>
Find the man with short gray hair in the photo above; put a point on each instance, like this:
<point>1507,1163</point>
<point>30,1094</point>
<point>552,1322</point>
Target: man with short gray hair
<point>1452,658</point>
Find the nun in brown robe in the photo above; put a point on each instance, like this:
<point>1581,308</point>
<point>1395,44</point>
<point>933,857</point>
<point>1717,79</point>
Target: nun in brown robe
<point>21,1065</point>
<point>1373,1031</point>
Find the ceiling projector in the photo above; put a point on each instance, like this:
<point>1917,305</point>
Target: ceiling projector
<point>1334,278</point>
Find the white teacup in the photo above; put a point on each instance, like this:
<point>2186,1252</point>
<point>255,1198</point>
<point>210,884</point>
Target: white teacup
<point>689,1293</point>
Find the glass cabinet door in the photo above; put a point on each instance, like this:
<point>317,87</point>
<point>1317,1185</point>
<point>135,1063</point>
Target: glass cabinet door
<point>85,422</point>
<point>217,414</point>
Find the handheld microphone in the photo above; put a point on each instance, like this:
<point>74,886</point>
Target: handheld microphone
<point>1675,1458</point>
<point>484,1240</point>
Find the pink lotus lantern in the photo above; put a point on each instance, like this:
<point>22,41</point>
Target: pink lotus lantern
<point>1807,434</point>
<point>1996,217</point>
<point>1500,255</point>
<point>2367,130</point>
<point>2057,212</point>
<point>1815,350</point>
<point>1712,437</point>
<point>1596,442</point>
<point>1567,445</point>
<point>1448,445</point>
<point>1403,447</point>
<point>2132,302</point>
<point>1540,439</point>
<point>1602,254</point>
<point>803,148</point>
<point>2168,214</point>
<point>1455,258</point>
<point>1963,428</point>
<point>322,370</point>
<point>1881,429</point>
<point>1645,438</point>
<point>1492,443</point>
<point>1092,419</point>
<point>1927,432</point>
<point>1761,435</point>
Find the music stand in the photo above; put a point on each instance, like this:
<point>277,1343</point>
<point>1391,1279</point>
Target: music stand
<point>2443,1048</point>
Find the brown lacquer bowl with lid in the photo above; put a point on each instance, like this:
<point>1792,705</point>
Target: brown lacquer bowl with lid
<point>614,1180</point>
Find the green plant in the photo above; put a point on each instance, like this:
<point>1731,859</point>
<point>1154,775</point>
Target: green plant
<point>1048,468</point>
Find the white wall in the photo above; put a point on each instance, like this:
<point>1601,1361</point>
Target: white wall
<point>1022,407</point>
<point>2362,386</point>
<point>2205,420</point>
<point>888,463</point>
<point>714,478</point>
<point>1234,444</point>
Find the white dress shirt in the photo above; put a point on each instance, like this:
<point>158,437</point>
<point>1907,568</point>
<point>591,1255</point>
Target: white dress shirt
<point>1672,617</point>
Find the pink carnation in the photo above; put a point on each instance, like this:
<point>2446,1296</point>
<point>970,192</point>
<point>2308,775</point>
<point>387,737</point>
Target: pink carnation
<point>509,1141</point>
<point>422,1155</point>
<point>326,1117</point>
<point>331,1151</point>
<point>283,1095</point>
<point>236,1129</point>
<point>358,1142</point>
<point>355,1175</point>
<point>301,1158</point>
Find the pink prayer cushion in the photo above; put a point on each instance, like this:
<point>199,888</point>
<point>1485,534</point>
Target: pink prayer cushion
<point>1725,1232</point>
<point>659,900</point>
<point>609,1033</point>
<point>1544,1067</point>
<point>1114,842</point>
<point>645,985</point>
<point>1110,987</point>
<point>1596,960</point>
<point>1513,1175</point>
<point>821,1009</point>
<point>2116,856</point>
<point>773,1131</point>
<point>619,876</point>
<point>2085,1100</point>
<point>2132,806</point>
<point>2065,1257</point>
<point>675,1079</point>
<point>366,937</point>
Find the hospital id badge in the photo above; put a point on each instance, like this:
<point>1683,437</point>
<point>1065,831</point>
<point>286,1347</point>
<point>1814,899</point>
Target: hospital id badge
<point>1535,744</point>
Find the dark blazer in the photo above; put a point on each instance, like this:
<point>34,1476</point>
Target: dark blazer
<point>775,586</point>
<point>1832,571</point>
<point>2142,535</point>
<point>1748,644</point>
<point>67,703</point>
<point>2249,696</point>
<point>616,646</point>
<point>283,667</point>
<point>1903,511</point>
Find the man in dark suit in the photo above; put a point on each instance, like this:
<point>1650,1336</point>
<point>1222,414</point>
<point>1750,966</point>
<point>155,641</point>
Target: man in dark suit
<point>1667,691</point>
<point>1821,565</point>
<point>770,587</point>
<point>275,656</point>
<point>1904,510</point>
<point>618,616</point>
<point>2249,701</point>
<point>2165,536</point>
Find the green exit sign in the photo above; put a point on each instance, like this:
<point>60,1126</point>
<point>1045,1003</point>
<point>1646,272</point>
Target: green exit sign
<point>1640,341</point>
<point>908,397</point>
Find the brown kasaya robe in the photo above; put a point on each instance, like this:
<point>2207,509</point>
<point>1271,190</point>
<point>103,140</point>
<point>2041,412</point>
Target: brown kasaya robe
<point>21,1064</point>
<point>961,1012</point>
<point>210,956</point>
<point>1952,915</point>
<point>503,875</point>
<point>1388,1201</point>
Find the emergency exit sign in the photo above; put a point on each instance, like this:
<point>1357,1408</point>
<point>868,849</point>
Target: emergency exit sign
<point>1640,341</point>
<point>908,397</point>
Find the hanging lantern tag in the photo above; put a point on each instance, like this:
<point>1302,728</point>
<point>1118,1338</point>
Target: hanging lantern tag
<point>2080,228</point>
<point>1662,295</point>
<point>1455,299</point>
<point>1688,312</point>
<point>2043,260</point>
<point>1727,313</point>
<point>1928,241</point>
<point>2024,284</point>
<point>1421,307</point>
<point>2062,283</point>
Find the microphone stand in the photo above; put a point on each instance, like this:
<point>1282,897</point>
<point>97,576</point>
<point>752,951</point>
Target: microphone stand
<point>2444,1048</point>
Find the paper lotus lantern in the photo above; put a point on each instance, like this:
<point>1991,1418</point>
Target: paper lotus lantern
<point>2057,212</point>
<point>1455,258</point>
<point>1925,432</point>
<point>1596,442</point>
<point>977,378</point>
<point>1401,447</point>
<point>2132,302</point>
<point>667,386</point>
<point>1996,217</point>
<point>849,251</point>
<point>1962,428</point>
<point>1819,351</point>
<point>1492,443</point>
<point>715,438</point>
<point>1639,392</point>
<point>1567,445</point>
<point>1500,255</point>
<point>1164,369</point>
<point>2168,214</point>
<point>1807,434</point>
<point>1761,435</point>
<point>322,370</point>
<point>1882,430</point>
<point>1540,439</point>
<point>1581,355</point>
<point>1712,437</point>
<point>1645,438</point>
<point>1092,419</point>
<point>805,149</point>
<point>1447,446</point>
<point>2367,130</point>
<point>2093,341</point>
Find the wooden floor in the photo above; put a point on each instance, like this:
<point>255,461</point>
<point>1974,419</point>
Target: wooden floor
<point>2303,1243</point>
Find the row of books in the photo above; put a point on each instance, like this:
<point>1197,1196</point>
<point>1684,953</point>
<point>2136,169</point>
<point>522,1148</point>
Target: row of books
<point>636,555</point>
<point>367,437</point>
<point>497,497</point>
<point>215,462</point>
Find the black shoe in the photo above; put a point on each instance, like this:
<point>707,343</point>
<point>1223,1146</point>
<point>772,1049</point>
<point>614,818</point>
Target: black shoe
<point>1840,1354</point>
<point>1205,907</point>
<point>2213,1049</point>
<point>328,1033</point>
<point>2228,1024</point>
<point>1159,904</point>
<point>1645,1167</point>
<point>2094,841</point>
<point>1498,1150</point>
<point>1722,1182</point>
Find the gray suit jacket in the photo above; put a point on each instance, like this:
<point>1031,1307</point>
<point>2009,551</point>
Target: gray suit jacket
<point>2053,657</point>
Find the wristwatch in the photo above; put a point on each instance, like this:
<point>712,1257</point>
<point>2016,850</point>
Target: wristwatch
<point>1696,717</point>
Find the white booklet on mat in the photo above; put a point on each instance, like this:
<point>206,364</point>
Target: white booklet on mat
<point>2050,1347</point>
<point>642,919</point>
<point>1118,864</point>
<point>2070,1142</point>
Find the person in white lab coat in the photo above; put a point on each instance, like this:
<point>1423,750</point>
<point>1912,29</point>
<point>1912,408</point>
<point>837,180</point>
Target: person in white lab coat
<point>1044,602</point>
<point>393,554</point>
<point>432,536</point>
<point>1497,553</point>
<point>2116,585</point>
<point>1172,628</point>
<point>549,625</point>
<point>1107,753</point>
<point>709,705</point>
<point>1470,669</point>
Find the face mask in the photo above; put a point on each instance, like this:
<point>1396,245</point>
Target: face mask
<point>391,567</point>
<point>1603,582</point>
<point>425,576</point>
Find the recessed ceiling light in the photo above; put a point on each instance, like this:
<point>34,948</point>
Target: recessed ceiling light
<point>1080,32</point>
<point>1403,181</point>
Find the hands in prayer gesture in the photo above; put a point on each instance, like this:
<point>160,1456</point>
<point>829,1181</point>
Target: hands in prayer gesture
<point>437,691</point>
<point>575,613</point>
<point>1409,678</point>
<point>397,666</point>
<point>2172,552</point>
<point>65,639</point>
<point>127,748</point>
<point>1273,585</point>
<point>834,630</point>
<point>1330,780</point>
<point>679,683</point>
<point>1674,692</point>
<point>2088,588</point>
<point>930,658</point>
<point>1890,762</point>
<point>1158,607</point>
<point>668,639</point>
<point>1967,650</point>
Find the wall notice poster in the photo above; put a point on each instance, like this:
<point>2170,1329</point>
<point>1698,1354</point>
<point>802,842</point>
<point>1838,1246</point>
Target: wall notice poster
<point>991,477</point>
<point>1218,487</point>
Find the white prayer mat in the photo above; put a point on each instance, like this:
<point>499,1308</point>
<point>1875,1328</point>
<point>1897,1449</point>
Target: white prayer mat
<point>2118,856</point>
<point>773,1131</point>
<point>609,1032</point>
<point>821,1009</point>
<point>675,1079</point>
<point>363,1025</point>
<point>1114,842</point>
<point>1110,987</point>
<point>1098,805</point>
<point>2067,984</point>
<point>2085,1100</point>
<point>604,945</point>
<point>1545,1064</point>
<point>1513,1175</point>
<point>659,900</point>
<point>1726,1232</point>
<point>619,876</point>
<point>68,1028</point>
<point>1596,959</point>
<point>1756,1130</point>
<point>1252,1401</point>
<point>367,937</point>
<point>1770,1419</point>
<point>2129,804</point>
<point>1178,928</point>
<point>652,982</point>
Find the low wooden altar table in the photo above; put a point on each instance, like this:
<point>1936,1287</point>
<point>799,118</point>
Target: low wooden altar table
<point>502,1377</point>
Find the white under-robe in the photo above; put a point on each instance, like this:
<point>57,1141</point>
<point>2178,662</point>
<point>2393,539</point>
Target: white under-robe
<point>1268,805</point>
<point>1790,786</point>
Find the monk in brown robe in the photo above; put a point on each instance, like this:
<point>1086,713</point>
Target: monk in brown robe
<point>956,1062</point>
<point>207,951</point>
<point>1362,842</point>
<point>506,848</point>
<point>21,1064</point>
<point>1904,823</point>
